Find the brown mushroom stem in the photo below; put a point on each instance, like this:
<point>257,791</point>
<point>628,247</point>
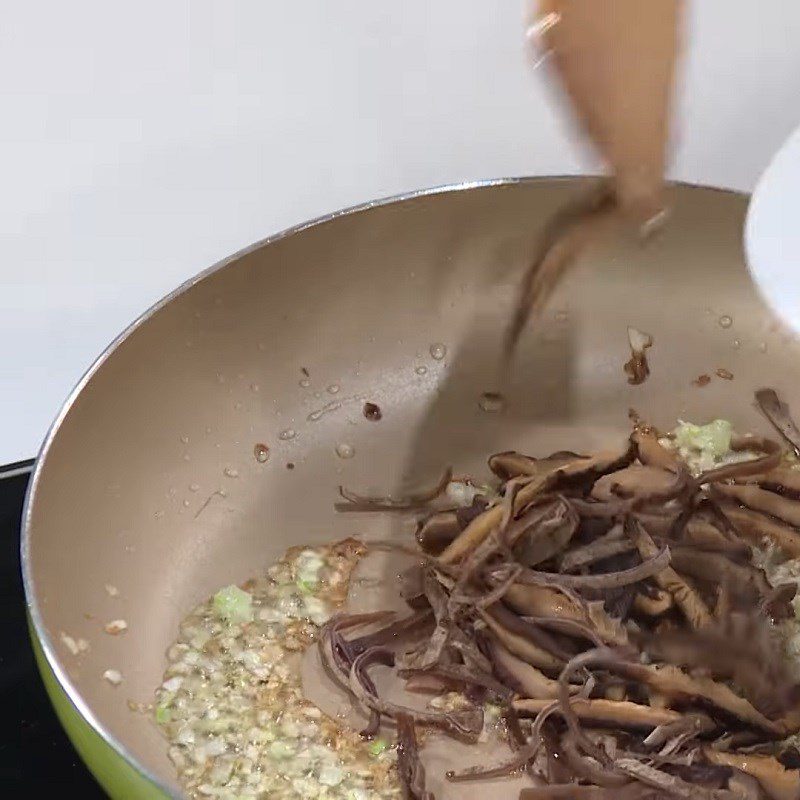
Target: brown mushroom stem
<point>607,712</point>
<point>716,568</point>
<point>652,453</point>
<point>675,684</point>
<point>758,527</point>
<point>525,679</point>
<point>519,645</point>
<point>777,781</point>
<point>781,479</point>
<point>549,601</point>
<point>478,530</point>
<point>438,531</point>
<point>686,598</point>
<point>759,499</point>
<point>707,536</point>
<point>609,544</point>
<point>512,464</point>
<point>582,466</point>
<point>651,566</point>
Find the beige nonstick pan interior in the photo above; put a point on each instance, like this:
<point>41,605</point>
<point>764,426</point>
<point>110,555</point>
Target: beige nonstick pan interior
<point>149,482</point>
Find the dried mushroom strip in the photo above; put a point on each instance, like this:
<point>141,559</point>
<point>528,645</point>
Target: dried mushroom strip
<point>611,606</point>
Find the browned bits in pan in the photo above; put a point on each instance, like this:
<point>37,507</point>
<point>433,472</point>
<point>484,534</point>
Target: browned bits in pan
<point>372,412</point>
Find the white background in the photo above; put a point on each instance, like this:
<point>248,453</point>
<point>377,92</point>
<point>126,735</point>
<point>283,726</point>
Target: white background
<point>140,142</point>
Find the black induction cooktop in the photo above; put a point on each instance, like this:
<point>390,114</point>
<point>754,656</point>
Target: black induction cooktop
<point>36,758</point>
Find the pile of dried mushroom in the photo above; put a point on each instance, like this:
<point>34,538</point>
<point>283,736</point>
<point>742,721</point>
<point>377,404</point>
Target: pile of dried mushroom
<point>611,605</point>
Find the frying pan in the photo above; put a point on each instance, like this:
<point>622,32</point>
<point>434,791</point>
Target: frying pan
<point>148,479</point>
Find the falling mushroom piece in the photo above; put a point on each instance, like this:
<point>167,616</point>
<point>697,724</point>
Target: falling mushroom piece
<point>637,369</point>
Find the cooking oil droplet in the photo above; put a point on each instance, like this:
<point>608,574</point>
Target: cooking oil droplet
<point>438,351</point>
<point>345,450</point>
<point>334,405</point>
<point>208,429</point>
<point>158,514</point>
<point>261,452</point>
<point>492,402</point>
<point>254,387</point>
<point>334,388</point>
<point>421,370</point>
<point>185,439</point>
<point>287,434</point>
<point>187,457</point>
<point>186,504</point>
<point>172,491</point>
<point>230,472</point>
<point>305,383</point>
<point>725,321</point>
<point>318,395</point>
<point>737,343</point>
<point>194,487</point>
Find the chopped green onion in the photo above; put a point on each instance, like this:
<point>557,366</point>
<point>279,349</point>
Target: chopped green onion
<point>713,439</point>
<point>377,747</point>
<point>163,715</point>
<point>306,587</point>
<point>233,604</point>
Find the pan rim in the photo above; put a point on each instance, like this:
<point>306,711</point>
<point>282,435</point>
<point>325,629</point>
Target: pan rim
<point>65,683</point>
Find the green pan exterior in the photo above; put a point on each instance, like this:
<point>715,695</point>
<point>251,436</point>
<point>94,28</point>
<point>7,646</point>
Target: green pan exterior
<point>117,777</point>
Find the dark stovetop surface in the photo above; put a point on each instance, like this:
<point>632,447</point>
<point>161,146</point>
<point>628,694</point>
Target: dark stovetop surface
<point>35,755</point>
